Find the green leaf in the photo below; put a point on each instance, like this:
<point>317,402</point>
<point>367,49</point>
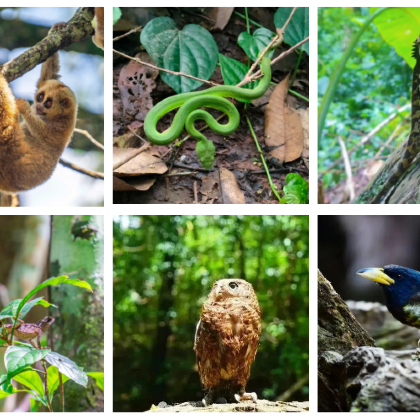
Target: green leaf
<point>192,51</point>
<point>54,380</point>
<point>297,29</point>
<point>31,380</point>
<point>67,367</point>
<point>99,378</point>
<point>296,190</point>
<point>116,14</point>
<point>206,152</point>
<point>399,27</point>
<point>6,386</point>
<point>18,358</point>
<point>233,72</point>
<point>254,44</point>
<point>35,405</point>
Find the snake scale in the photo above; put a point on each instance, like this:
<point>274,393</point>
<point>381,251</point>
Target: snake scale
<point>189,112</point>
<point>413,144</point>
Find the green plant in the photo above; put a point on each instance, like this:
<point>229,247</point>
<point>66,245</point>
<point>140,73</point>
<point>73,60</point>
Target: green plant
<point>20,357</point>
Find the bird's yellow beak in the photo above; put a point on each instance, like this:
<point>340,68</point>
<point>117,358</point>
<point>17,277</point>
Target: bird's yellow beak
<point>376,274</point>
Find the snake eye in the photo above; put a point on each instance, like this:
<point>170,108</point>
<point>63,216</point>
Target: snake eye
<point>233,285</point>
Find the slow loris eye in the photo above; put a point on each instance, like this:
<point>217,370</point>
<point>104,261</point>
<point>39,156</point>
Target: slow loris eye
<point>233,285</point>
<point>48,104</point>
<point>40,97</point>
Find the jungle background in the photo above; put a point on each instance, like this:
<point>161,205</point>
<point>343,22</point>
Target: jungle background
<point>164,268</point>
<point>375,83</point>
<point>82,69</point>
<point>33,249</point>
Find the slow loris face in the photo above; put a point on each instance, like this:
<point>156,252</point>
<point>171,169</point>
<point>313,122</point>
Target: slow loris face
<point>53,99</point>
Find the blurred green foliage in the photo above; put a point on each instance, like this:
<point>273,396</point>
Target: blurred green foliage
<point>375,83</point>
<point>164,267</point>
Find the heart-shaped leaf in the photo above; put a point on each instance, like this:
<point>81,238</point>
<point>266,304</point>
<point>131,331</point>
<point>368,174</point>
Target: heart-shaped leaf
<point>233,72</point>
<point>18,358</point>
<point>297,29</point>
<point>206,151</point>
<point>254,44</point>
<point>192,51</point>
<point>67,367</point>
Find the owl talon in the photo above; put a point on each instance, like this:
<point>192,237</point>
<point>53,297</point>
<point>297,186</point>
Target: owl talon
<point>247,396</point>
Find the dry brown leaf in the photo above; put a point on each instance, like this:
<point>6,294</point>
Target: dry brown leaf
<point>221,16</point>
<point>133,184</point>
<point>231,193</point>
<point>142,164</point>
<point>209,189</point>
<point>136,83</point>
<point>283,126</point>
<point>304,117</point>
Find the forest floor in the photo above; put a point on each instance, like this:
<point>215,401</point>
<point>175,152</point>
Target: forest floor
<point>238,175</point>
<point>260,406</point>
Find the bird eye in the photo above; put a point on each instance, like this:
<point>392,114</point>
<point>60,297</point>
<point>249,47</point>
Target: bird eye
<point>233,285</point>
<point>398,276</point>
<point>40,97</point>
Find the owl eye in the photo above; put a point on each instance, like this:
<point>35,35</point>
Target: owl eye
<point>233,285</point>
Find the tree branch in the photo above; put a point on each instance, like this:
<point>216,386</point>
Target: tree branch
<point>93,174</point>
<point>79,27</point>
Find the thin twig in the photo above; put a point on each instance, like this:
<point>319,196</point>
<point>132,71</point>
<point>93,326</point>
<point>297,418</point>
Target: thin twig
<point>388,142</point>
<point>138,29</point>
<point>195,193</point>
<point>365,138</point>
<point>252,21</point>
<point>176,73</point>
<point>60,377</point>
<point>349,187</point>
<point>191,168</point>
<point>47,393</point>
<point>280,170</point>
<point>282,55</point>
<point>93,174</point>
<point>88,135</point>
<point>273,187</point>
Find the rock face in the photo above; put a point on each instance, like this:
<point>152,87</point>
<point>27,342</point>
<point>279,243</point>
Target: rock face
<point>260,406</point>
<point>378,382</point>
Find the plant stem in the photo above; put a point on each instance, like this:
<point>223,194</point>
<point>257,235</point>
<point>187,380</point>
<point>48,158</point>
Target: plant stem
<point>60,377</point>
<point>249,32</point>
<point>273,187</point>
<point>296,68</point>
<point>339,70</point>
<point>299,95</point>
<point>47,394</point>
<point>244,17</point>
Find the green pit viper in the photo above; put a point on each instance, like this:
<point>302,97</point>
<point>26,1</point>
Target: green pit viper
<point>413,144</point>
<point>189,112</point>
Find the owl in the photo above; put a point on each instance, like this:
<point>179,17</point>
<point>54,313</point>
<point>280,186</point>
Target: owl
<point>226,340</point>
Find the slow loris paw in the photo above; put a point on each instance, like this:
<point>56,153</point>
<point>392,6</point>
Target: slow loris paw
<point>246,396</point>
<point>22,105</point>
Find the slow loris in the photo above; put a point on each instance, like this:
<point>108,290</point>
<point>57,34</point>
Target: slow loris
<point>30,151</point>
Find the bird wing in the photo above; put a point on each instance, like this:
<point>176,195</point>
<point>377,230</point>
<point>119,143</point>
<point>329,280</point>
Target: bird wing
<point>412,311</point>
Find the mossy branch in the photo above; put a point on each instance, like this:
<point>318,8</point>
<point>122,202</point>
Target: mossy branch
<point>78,28</point>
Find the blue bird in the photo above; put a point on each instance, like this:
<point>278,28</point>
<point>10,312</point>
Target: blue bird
<point>401,286</point>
